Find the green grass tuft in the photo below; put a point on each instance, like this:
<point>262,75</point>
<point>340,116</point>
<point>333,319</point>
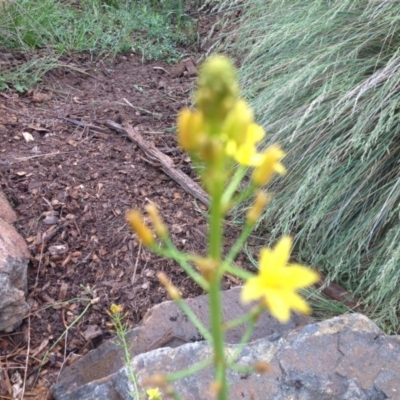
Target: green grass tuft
<point>324,79</point>
<point>95,26</point>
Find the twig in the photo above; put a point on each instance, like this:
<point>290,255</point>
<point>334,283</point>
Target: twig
<point>155,156</point>
<point>157,115</point>
<point>83,125</point>
<point>27,358</point>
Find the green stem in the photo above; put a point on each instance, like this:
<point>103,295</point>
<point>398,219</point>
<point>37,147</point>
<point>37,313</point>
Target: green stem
<point>233,185</point>
<point>189,371</point>
<point>215,243</point>
<point>173,253</point>
<point>238,272</point>
<point>237,247</point>
<point>245,338</point>
<point>194,320</point>
<point>121,335</point>
<point>243,319</point>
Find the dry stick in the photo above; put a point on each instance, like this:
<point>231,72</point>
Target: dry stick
<point>27,357</point>
<point>154,114</point>
<point>153,155</point>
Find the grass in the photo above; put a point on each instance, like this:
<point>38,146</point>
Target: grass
<point>324,79</point>
<point>95,26</point>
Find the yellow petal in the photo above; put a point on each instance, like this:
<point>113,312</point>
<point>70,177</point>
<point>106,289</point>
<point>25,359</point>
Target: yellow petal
<point>282,251</point>
<point>277,306</point>
<point>254,133</point>
<point>270,165</point>
<point>252,290</point>
<point>297,303</point>
<point>300,277</point>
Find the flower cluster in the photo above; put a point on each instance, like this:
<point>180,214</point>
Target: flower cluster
<point>222,125</point>
<point>222,138</point>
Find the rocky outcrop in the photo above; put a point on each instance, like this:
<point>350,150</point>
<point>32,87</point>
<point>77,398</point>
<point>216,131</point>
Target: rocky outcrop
<point>14,257</point>
<point>164,325</point>
<point>347,357</point>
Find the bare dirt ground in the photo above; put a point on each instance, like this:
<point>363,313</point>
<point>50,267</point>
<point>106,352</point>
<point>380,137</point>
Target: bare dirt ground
<point>71,186</point>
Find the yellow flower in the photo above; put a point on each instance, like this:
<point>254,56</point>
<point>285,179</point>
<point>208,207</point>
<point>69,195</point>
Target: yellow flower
<point>246,152</point>
<point>154,394</point>
<point>190,129</point>
<point>277,283</point>
<point>135,219</point>
<point>269,165</point>
<point>238,121</point>
<point>116,309</point>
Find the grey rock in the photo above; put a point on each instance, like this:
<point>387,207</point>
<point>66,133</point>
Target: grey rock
<point>14,258</point>
<point>347,357</point>
<point>166,325</point>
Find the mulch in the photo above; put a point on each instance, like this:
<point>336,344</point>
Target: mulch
<point>71,180</point>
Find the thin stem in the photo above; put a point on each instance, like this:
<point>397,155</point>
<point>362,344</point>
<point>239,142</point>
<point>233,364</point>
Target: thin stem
<point>194,320</point>
<point>237,247</point>
<point>240,273</point>
<point>242,319</point>
<point>173,253</point>
<point>215,304</point>
<point>189,371</point>
<point>121,335</point>
<point>244,340</point>
<point>233,185</point>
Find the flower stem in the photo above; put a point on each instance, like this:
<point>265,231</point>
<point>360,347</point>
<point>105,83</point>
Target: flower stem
<point>215,244</point>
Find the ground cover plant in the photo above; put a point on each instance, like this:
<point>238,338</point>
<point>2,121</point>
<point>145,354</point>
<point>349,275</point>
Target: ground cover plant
<point>155,30</point>
<point>323,77</point>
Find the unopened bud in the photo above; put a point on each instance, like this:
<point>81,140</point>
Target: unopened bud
<point>159,380</point>
<point>135,220</point>
<point>172,290</point>
<point>269,165</point>
<point>238,121</point>
<point>190,129</point>
<point>217,87</point>
<point>207,267</point>
<point>262,367</point>
<point>158,224</point>
<point>262,199</point>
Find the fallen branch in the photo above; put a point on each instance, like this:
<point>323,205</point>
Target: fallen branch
<point>155,156</point>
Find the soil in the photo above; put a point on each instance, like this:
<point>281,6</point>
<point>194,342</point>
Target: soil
<point>71,186</point>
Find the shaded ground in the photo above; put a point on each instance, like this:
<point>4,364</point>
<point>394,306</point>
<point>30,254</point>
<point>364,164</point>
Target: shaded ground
<point>71,186</point>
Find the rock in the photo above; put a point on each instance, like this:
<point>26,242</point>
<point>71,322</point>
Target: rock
<point>165,325</point>
<point>7,213</point>
<point>14,258</point>
<point>347,357</point>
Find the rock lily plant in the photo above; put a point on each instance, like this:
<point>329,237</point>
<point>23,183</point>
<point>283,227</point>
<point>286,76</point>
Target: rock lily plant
<point>220,135</point>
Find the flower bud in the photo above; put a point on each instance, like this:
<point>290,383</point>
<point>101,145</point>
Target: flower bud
<point>262,199</point>
<point>269,165</point>
<point>135,220</point>
<point>190,129</point>
<point>172,290</point>
<point>207,267</point>
<point>217,87</point>
<point>158,224</point>
<point>238,121</point>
